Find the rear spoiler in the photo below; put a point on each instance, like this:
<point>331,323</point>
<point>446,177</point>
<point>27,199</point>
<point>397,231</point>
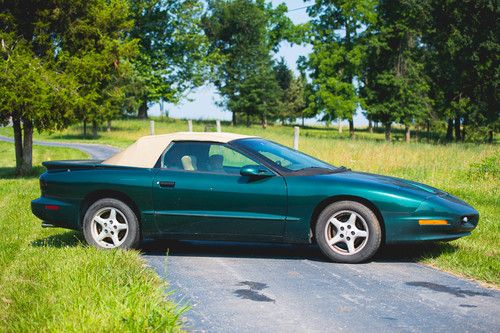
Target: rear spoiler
<point>74,165</point>
<point>71,165</point>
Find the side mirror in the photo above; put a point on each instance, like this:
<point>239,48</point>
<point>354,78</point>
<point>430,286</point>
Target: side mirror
<point>255,171</point>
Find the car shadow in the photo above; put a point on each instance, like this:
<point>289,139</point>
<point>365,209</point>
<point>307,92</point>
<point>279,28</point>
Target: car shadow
<point>388,253</point>
<point>64,239</point>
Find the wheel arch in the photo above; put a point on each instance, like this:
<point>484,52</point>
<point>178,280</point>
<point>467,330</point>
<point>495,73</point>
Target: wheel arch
<point>323,204</point>
<point>92,197</point>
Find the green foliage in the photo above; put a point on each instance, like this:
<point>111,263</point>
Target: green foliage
<point>30,90</point>
<point>337,30</point>
<point>174,55</point>
<point>489,167</point>
<point>395,86</point>
<point>462,61</point>
<point>291,103</point>
<point>246,34</point>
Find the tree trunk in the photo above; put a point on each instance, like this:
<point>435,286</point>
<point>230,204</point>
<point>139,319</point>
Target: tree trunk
<point>458,134</point>
<point>94,129</point>
<point>388,132</point>
<point>84,127</point>
<point>351,128</point>
<point>428,130</point>
<point>143,110</point>
<point>407,133</point>
<point>108,127</point>
<point>449,130</point>
<point>340,125</point>
<point>264,121</point>
<point>370,126</point>
<point>464,126</point>
<point>302,120</point>
<point>18,141</point>
<point>27,162</point>
<point>248,120</point>
<point>490,136</point>
<point>233,120</point>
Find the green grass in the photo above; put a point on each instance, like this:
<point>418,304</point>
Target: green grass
<point>469,171</point>
<point>50,281</point>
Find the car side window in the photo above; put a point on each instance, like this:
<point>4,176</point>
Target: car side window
<point>204,157</point>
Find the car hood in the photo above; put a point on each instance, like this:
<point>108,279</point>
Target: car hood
<point>369,179</point>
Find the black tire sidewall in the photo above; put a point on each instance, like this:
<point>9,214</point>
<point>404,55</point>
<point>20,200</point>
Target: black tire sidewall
<point>133,236</point>
<point>375,232</point>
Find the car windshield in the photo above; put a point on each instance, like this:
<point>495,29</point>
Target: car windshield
<point>284,157</point>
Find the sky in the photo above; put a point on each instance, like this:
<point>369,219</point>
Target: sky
<point>201,103</point>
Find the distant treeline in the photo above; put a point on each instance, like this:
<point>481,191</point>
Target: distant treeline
<point>426,63</point>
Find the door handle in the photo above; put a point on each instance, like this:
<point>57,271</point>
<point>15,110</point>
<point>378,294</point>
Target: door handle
<point>166,183</point>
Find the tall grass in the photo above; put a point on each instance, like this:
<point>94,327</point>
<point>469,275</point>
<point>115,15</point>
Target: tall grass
<point>50,281</point>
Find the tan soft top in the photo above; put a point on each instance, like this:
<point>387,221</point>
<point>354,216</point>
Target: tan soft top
<point>145,152</point>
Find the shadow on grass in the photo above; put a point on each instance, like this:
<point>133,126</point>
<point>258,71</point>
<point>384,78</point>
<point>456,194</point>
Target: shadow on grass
<point>65,239</point>
<point>10,173</point>
<point>393,253</point>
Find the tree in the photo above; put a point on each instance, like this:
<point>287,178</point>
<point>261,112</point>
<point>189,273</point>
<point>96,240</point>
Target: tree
<point>173,50</point>
<point>395,86</point>
<point>246,34</point>
<point>291,102</point>
<point>463,48</point>
<point>59,61</point>
<point>97,51</point>
<point>337,26</point>
<point>33,96</point>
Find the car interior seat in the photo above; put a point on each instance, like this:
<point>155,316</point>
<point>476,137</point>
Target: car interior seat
<point>189,163</point>
<point>216,162</point>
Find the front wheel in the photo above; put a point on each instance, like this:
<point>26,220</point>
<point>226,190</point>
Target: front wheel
<point>110,223</point>
<point>348,232</point>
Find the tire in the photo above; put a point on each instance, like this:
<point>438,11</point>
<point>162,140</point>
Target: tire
<point>109,223</point>
<point>348,232</point>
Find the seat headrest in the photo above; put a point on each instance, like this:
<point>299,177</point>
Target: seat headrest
<point>189,163</point>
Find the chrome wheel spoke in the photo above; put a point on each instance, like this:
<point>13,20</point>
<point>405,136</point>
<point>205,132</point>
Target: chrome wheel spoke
<point>120,226</point>
<point>335,239</point>
<point>114,238</point>
<point>350,246</point>
<point>336,223</point>
<point>112,214</point>
<point>100,221</point>
<point>101,236</point>
<point>352,219</point>
<point>361,233</point>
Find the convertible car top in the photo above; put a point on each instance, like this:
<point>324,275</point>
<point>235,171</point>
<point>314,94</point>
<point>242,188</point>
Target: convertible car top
<point>223,186</point>
<point>144,152</point>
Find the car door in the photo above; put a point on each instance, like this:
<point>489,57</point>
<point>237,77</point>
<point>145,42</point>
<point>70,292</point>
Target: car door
<point>199,191</point>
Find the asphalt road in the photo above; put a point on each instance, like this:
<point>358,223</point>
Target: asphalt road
<point>247,287</point>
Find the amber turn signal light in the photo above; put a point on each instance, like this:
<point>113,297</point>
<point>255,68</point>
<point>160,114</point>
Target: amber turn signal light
<point>432,222</point>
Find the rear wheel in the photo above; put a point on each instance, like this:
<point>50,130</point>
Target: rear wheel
<point>110,223</point>
<point>348,231</point>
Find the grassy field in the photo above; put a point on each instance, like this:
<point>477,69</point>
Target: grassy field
<point>469,171</point>
<point>50,281</point>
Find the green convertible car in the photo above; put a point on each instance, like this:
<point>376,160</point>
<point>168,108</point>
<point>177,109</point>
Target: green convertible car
<point>222,186</point>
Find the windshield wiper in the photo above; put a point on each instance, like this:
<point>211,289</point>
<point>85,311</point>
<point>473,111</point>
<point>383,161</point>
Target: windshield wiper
<point>341,169</point>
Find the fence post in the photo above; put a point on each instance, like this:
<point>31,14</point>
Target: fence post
<point>217,123</point>
<point>190,125</point>
<point>296,132</point>
<point>152,127</point>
